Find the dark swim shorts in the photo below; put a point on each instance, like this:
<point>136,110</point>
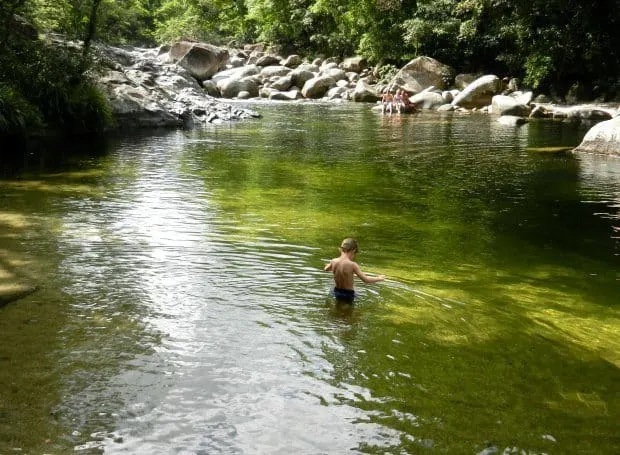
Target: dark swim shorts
<point>346,295</point>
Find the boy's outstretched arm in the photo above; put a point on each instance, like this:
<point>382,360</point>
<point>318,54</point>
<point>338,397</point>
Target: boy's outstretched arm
<point>365,278</point>
<point>328,267</point>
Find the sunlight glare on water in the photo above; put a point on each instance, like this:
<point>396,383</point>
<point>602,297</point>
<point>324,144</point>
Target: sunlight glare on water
<point>185,309</point>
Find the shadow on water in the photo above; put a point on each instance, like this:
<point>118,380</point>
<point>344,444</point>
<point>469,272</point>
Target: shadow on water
<point>60,344</point>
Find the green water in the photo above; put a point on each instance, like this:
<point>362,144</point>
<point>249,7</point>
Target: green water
<point>181,305</point>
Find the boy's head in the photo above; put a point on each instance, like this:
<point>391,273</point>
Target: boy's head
<point>349,246</point>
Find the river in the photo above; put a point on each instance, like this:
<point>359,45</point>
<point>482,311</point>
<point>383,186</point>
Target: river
<point>181,306</point>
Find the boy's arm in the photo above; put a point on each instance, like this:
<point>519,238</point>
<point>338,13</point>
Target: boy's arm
<point>365,278</point>
<point>328,267</point>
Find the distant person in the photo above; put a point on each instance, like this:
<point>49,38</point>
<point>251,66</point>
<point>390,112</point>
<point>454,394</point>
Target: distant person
<point>344,268</point>
<point>387,101</point>
<point>407,102</point>
<point>398,100</point>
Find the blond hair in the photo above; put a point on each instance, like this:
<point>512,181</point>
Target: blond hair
<point>349,244</point>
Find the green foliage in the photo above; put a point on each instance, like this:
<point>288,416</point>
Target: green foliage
<point>44,85</point>
<point>538,68</point>
<point>387,73</point>
<point>17,114</point>
<point>87,108</point>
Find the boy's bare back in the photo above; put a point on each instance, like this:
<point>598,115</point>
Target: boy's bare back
<point>344,267</point>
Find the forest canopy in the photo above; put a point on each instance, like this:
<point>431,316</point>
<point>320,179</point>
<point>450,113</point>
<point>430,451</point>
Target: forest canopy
<point>553,46</point>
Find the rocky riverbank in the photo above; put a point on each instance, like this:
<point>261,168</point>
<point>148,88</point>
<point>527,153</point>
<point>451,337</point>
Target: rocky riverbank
<point>187,83</point>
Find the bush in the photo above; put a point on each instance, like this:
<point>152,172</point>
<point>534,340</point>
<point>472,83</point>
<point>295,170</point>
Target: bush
<point>17,114</point>
<point>88,109</point>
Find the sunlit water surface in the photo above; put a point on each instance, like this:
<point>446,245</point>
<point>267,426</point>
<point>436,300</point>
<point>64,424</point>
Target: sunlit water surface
<point>182,307</point>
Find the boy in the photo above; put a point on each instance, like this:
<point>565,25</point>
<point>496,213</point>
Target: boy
<point>343,269</point>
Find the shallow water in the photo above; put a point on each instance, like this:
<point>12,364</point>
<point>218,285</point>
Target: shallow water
<point>182,308</point>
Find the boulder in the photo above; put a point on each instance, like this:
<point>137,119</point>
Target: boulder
<point>587,113</point>
<point>523,97</point>
<point>353,77</point>
<point>446,108</point>
<point>283,83</point>
<point>317,86</point>
<point>134,107</point>
<point>479,93</point>
<point>343,83</point>
<point>354,64</point>
<point>230,88</point>
<point>464,79</point>
<point>274,70</point>
<point>364,93</point>
<point>292,61</point>
<point>200,59</point>
<point>329,60</point>
<point>507,105</point>
<point>540,111</point>
<point>268,60</point>
<point>421,73</point>
<point>211,88</point>
<point>427,100</point>
<point>236,62</point>
<point>151,93</point>
<point>309,67</point>
<point>335,92</point>
<point>237,73</point>
<point>603,138</point>
<point>299,77</point>
<point>336,73</point>
<point>328,66</point>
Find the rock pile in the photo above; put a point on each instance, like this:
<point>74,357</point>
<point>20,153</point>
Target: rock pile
<point>180,85</point>
<point>160,87</point>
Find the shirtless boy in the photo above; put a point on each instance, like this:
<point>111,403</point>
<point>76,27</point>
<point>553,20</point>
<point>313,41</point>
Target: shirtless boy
<point>344,268</point>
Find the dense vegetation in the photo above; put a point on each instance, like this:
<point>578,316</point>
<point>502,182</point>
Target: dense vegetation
<point>557,46</point>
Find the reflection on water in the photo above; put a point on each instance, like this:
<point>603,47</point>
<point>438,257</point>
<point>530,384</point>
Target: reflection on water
<point>183,308</point>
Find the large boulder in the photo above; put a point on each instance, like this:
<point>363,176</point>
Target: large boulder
<point>464,79</point>
<point>268,60</point>
<point>479,93</point>
<point>299,77</point>
<point>603,138</point>
<point>230,88</point>
<point>317,86</point>
<point>274,70</point>
<point>354,64</point>
<point>135,107</point>
<point>588,113</point>
<point>200,59</point>
<point>422,72</point>
<point>283,83</point>
<point>292,61</point>
<point>428,99</point>
<point>236,73</point>
<point>508,105</point>
<point>364,93</point>
<point>336,73</point>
